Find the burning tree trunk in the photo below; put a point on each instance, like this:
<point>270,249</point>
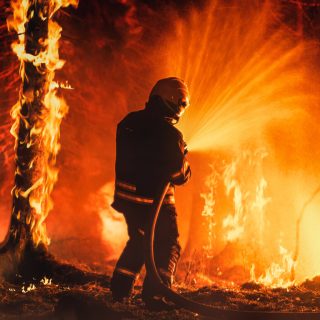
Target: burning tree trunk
<point>37,116</point>
<point>30,20</point>
<point>31,156</point>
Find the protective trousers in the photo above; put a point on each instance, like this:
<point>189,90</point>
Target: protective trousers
<point>166,251</point>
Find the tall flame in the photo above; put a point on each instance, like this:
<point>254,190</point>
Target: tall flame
<point>46,131</point>
<point>243,187</point>
<point>243,181</point>
<point>208,209</point>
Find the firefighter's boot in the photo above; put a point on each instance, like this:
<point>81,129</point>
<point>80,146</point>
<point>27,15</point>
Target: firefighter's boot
<point>152,298</point>
<point>121,286</point>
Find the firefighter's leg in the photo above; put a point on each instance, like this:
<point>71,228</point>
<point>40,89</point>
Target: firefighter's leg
<point>166,251</point>
<point>130,262</point>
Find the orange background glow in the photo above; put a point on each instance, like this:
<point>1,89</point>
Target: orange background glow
<point>252,131</point>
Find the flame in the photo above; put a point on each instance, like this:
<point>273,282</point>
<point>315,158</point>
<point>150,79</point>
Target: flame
<point>245,71</point>
<point>237,184</point>
<point>249,201</point>
<point>249,224</point>
<point>29,288</point>
<point>208,209</point>
<point>278,274</point>
<point>248,75</point>
<point>47,131</point>
<point>46,281</point>
<point>114,230</point>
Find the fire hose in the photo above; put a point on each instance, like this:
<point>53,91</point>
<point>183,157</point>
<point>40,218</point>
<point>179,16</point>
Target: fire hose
<point>200,308</point>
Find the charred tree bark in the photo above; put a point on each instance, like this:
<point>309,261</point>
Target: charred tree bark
<point>24,254</point>
<point>29,156</point>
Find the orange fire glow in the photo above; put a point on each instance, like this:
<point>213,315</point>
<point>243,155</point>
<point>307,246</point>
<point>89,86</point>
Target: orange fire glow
<point>250,123</point>
<point>113,227</point>
<point>47,131</point>
<point>249,76</point>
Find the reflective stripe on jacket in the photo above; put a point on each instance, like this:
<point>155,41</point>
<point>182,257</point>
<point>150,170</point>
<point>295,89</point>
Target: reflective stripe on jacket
<point>127,191</point>
<point>149,151</point>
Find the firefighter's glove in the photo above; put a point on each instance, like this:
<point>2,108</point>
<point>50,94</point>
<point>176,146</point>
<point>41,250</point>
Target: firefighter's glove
<point>182,176</point>
<point>185,148</point>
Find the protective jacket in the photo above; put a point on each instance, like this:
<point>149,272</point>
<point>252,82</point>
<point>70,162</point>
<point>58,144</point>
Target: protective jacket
<point>149,151</point>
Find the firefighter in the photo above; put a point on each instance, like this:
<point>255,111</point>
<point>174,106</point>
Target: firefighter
<point>150,151</point>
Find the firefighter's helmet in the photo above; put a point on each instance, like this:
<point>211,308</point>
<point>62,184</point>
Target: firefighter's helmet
<point>174,94</point>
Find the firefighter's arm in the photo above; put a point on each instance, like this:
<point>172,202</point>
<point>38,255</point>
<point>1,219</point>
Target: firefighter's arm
<point>183,174</point>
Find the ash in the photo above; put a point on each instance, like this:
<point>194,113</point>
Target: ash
<point>47,299</point>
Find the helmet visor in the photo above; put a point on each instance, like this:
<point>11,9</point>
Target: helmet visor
<point>183,104</point>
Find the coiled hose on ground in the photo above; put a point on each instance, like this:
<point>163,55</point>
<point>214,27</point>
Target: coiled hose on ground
<point>203,309</point>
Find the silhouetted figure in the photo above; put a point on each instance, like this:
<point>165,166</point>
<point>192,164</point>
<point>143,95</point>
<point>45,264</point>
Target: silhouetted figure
<point>150,151</point>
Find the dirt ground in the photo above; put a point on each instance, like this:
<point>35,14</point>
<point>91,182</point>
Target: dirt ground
<point>49,300</point>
